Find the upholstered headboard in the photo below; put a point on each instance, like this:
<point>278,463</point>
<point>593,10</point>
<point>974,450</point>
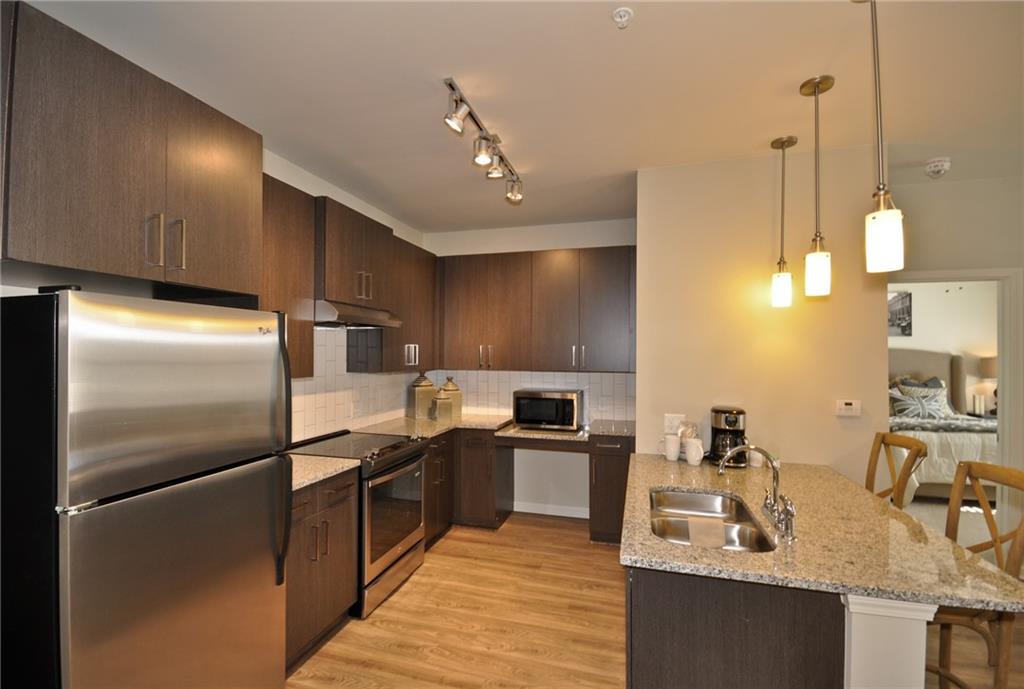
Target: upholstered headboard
<point>922,365</point>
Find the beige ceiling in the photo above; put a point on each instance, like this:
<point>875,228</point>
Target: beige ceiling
<point>353,92</point>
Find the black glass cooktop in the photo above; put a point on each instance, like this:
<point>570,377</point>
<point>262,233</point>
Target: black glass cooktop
<point>351,445</point>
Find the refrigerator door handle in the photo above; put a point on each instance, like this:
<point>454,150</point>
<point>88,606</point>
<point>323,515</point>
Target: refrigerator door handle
<point>285,515</point>
<point>286,366</point>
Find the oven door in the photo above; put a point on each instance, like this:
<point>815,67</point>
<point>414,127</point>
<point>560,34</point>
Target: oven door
<point>392,516</point>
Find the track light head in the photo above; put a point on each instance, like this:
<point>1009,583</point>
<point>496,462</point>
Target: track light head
<point>495,171</point>
<point>482,151</point>
<point>457,112</point>
<point>514,190</point>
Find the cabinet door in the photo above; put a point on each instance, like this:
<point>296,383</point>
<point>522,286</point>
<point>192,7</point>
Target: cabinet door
<point>424,309</point>
<point>340,247</point>
<point>288,229</point>
<point>377,263</point>
<point>301,569</point>
<point>214,198</point>
<point>465,311</point>
<point>476,497</point>
<point>403,304</point>
<point>608,474</point>
<point>508,312</point>
<point>556,310</point>
<point>87,156</point>
<point>431,493</point>
<point>338,555</point>
<point>605,275</point>
<point>446,483</point>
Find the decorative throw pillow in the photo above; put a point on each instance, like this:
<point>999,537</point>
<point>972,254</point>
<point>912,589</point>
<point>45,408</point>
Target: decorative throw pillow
<point>934,382</point>
<point>921,403</point>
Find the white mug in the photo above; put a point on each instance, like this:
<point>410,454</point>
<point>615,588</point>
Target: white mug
<point>694,451</point>
<point>671,447</point>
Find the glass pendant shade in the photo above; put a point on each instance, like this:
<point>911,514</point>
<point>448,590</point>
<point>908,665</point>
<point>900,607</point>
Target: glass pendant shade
<point>818,274</point>
<point>782,290</point>
<point>883,240</point>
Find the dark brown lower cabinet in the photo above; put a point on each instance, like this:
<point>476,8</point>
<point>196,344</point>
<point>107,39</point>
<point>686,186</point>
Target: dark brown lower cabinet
<point>609,470</point>
<point>485,480</point>
<point>322,564</point>
<point>439,482</point>
<point>690,632</point>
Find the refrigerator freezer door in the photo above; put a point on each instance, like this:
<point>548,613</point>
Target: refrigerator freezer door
<point>152,391</point>
<point>176,588</point>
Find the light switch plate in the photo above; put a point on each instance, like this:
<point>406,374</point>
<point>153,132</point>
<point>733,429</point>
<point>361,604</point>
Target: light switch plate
<point>847,407</point>
<point>672,422</point>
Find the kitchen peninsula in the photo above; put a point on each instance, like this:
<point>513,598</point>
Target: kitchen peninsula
<point>845,605</point>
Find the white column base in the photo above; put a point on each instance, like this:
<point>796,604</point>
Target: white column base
<point>885,643</point>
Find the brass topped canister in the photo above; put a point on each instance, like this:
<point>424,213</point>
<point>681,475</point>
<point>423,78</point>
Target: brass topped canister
<point>456,396</point>
<point>421,398</point>
<point>442,407</point>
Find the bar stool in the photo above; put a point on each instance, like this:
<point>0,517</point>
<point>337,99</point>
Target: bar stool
<point>917,452</point>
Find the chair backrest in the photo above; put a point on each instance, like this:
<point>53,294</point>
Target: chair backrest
<point>917,452</point>
<point>974,473</point>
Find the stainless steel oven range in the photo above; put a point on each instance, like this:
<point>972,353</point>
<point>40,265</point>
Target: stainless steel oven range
<point>391,508</point>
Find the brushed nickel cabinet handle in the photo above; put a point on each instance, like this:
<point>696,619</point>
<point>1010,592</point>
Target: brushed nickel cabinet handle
<point>490,356</point>
<point>327,537</point>
<point>369,289</point>
<point>160,227</point>
<point>583,356</point>
<point>609,447</point>
<point>481,359</point>
<point>593,479</point>
<point>184,244</point>
<point>574,356</point>
<point>441,465</point>
<point>316,544</point>
<point>416,352</point>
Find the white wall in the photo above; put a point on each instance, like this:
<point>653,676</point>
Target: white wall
<point>290,173</point>
<point>532,238</point>
<point>707,242</point>
<point>956,317</point>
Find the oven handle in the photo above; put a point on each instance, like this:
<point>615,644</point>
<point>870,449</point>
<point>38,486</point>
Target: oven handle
<point>377,480</point>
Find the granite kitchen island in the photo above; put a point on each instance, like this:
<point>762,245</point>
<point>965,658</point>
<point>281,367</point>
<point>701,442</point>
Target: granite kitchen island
<point>844,605</point>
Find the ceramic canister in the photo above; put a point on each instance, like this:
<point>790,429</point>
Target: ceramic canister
<point>455,394</point>
<point>421,398</point>
<point>442,407</point>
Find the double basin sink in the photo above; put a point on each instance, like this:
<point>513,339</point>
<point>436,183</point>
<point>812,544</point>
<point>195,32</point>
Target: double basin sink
<point>694,518</point>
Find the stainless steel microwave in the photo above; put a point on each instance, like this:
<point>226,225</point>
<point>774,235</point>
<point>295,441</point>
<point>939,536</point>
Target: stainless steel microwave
<point>556,410</point>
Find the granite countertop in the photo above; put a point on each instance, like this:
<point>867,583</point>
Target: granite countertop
<point>310,469</point>
<point>428,428</point>
<point>848,540</point>
<point>626,429</point>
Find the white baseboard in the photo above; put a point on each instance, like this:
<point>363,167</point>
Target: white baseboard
<point>552,510</point>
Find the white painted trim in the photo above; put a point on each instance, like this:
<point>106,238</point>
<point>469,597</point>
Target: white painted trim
<point>552,510</point>
<point>1011,367</point>
<point>886,643</point>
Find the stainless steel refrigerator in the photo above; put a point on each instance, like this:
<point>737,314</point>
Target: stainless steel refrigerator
<point>145,512</point>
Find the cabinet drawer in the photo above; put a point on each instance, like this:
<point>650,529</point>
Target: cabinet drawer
<point>303,504</point>
<point>611,444</point>
<point>336,490</point>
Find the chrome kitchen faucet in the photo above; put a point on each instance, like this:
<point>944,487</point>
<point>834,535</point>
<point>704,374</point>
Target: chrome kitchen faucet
<point>777,507</point>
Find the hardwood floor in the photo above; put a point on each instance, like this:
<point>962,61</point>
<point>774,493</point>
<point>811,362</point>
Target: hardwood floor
<point>534,604</point>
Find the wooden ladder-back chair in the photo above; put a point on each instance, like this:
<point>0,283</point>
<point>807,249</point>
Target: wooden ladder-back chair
<point>917,452</point>
<point>996,628</point>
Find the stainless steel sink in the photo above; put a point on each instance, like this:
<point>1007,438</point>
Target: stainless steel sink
<point>671,510</point>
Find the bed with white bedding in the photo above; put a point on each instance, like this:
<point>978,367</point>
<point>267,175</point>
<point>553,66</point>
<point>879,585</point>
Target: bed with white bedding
<point>954,436</point>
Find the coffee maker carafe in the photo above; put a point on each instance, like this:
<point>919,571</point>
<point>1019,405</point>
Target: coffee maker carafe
<point>728,431</point>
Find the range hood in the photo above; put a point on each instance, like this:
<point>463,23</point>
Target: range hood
<point>334,314</point>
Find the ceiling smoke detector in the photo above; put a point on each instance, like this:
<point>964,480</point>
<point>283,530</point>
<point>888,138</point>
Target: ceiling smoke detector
<point>937,167</point>
<point>622,17</point>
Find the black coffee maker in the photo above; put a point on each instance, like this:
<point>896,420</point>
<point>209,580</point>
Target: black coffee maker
<point>728,431</point>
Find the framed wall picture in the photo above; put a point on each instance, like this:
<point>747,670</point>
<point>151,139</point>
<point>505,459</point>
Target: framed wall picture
<point>901,318</point>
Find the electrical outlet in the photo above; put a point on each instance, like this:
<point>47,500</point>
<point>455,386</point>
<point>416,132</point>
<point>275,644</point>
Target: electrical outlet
<point>847,407</point>
<point>672,422</point>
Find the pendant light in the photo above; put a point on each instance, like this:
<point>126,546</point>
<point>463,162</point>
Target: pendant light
<point>818,262</point>
<point>883,227</point>
<point>782,281</point>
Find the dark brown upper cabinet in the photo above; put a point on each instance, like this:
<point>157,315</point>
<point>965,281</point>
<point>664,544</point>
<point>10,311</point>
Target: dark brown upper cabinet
<point>355,256</point>
<point>412,287</point>
<point>113,170</point>
<point>487,311</point>
<point>582,301</point>
<point>289,216</point>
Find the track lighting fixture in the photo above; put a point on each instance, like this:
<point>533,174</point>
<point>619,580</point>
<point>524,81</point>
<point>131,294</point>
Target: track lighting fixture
<point>482,151</point>
<point>457,112</point>
<point>486,146</point>
<point>818,262</point>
